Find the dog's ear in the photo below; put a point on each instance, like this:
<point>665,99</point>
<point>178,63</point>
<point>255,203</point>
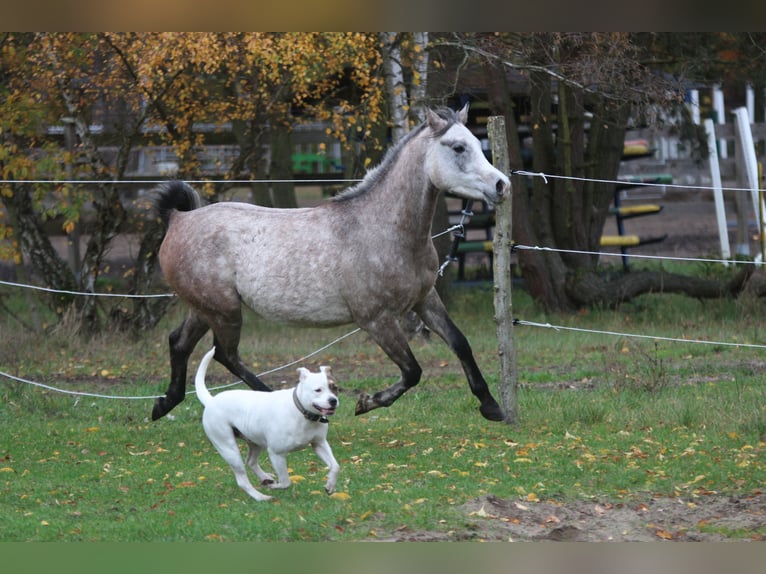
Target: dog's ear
<point>327,371</point>
<point>303,372</point>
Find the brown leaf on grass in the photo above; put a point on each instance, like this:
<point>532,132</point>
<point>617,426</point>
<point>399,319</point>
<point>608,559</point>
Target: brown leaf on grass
<point>664,534</point>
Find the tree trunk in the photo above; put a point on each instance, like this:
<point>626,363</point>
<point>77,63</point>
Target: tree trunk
<point>419,77</point>
<point>570,214</point>
<point>592,290</point>
<point>146,312</point>
<point>545,274</point>
<point>395,85</point>
<point>281,166</point>
<point>35,243</point>
<point>250,162</point>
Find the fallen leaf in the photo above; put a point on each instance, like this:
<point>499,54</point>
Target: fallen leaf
<point>552,519</point>
<point>664,534</point>
<point>340,496</point>
<point>482,513</point>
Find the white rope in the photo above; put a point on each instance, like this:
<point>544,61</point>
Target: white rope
<point>68,392</point>
<point>121,397</point>
<point>627,182</point>
<point>672,258</point>
<point>521,172</point>
<point>159,181</point>
<point>634,335</point>
<point>65,292</point>
<point>449,230</point>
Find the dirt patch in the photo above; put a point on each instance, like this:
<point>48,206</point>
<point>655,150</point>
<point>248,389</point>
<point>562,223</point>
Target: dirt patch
<point>710,518</point>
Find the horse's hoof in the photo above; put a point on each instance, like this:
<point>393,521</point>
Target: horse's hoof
<point>159,409</point>
<point>492,412</point>
<point>364,404</point>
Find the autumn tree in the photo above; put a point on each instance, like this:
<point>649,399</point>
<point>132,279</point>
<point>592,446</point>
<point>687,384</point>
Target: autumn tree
<point>146,88</point>
<point>583,88</point>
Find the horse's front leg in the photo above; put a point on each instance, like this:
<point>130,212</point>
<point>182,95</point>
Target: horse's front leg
<point>435,316</point>
<point>181,342</point>
<point>388,334</point>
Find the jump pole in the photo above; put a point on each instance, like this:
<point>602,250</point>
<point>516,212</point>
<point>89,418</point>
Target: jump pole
<point>501,246</point>
<point>715,174</point>
<point>747,167</point>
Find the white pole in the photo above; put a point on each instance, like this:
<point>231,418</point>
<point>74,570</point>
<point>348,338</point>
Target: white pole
<point>750,163</point>
<point>694,106</point>
<point>750,102</point>
<point>718,107</point>
<point>720,208</point>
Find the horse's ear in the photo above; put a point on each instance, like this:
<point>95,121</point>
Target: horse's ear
<point>462,115</point>
<point>435,122</point>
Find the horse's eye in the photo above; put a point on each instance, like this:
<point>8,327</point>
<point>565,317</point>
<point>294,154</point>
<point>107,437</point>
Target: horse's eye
<point>459,148</point>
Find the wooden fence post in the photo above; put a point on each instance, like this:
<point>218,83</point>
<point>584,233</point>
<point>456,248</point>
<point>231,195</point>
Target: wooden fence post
<point>502,274</point>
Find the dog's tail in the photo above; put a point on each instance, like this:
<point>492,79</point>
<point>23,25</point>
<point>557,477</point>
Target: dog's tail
<point>203,394</point>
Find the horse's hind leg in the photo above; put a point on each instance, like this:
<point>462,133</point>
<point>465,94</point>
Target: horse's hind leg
<point>435,316</point>
<point>226,333</point>
<point>390,336</point>
<point>182,342</point>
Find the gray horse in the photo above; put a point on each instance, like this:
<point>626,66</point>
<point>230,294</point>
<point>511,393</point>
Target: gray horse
<point>364,257</point>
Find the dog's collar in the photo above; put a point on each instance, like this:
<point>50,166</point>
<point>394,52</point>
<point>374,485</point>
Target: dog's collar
<point>308,415</point>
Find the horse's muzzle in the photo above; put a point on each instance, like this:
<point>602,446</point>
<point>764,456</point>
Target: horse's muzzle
<point>501,187</point>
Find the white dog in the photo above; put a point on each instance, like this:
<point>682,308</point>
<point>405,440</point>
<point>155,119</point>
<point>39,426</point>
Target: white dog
<point>280,422</point>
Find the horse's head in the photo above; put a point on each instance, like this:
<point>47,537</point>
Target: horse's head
<point>455,162</point>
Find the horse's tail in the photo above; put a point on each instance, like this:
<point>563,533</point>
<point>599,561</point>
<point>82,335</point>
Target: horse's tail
<point>203,394</point>
<point>177,195</point>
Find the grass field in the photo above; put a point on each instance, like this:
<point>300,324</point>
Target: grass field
<point>603,418</point>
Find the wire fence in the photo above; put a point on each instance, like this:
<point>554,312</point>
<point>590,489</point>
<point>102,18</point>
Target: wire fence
<point>519,322</point>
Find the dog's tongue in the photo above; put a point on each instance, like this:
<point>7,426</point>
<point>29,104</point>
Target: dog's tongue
<point>326,411</point>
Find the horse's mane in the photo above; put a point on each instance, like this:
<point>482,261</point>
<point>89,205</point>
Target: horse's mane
<point>375,174</point>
